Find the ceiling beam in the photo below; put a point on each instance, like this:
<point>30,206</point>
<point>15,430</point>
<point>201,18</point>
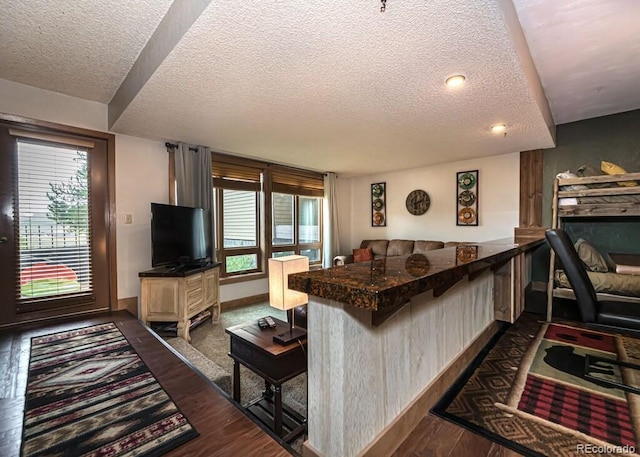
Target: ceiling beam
<point>179,18</point>
<point>521,48</point>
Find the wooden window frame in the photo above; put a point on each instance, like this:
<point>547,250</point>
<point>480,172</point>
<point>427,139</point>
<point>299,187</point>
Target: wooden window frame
<point>296,246</point>
<point>265,248</point>
<point>222,253</point>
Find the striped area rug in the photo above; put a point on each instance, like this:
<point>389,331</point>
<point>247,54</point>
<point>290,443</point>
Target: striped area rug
<point>90,394</point>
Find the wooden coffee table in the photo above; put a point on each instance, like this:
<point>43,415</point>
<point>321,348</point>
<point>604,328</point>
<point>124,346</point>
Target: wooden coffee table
<point>254,348</point>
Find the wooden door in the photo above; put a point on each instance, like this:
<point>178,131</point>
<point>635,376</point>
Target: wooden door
<point>53,231</point>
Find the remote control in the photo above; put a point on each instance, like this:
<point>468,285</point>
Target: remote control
<point>270,321</point>
<point>262,323</point>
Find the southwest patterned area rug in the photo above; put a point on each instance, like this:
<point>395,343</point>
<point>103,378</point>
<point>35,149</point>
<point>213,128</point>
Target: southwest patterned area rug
<point>554,390</point>
<point>90,394</point>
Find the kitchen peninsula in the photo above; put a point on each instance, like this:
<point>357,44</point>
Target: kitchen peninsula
<point>387,337</point>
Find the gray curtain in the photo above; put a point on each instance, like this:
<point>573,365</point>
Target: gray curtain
<point>330,223</point>
<point>194,184</point>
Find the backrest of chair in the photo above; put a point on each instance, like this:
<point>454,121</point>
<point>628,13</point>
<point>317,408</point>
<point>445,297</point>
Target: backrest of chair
<point>575,271</point>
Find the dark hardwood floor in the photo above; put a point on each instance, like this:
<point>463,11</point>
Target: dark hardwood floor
<point>436,437</point>
<point>224,429</point>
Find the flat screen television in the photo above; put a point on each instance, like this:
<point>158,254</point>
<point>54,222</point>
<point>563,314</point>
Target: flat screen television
<point>180,235</point>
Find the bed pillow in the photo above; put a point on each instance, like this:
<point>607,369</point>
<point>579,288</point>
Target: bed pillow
<point>568,174</point>
<point>613,169</point>
<point>362,255</point>
<point>587,171</point>
<point>590,256</point>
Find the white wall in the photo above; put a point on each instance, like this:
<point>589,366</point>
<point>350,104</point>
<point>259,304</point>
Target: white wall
<point>141,170</point>
<point>45,105</point>
<point>141,178</point>
<point>243,289</point>
<point>498,194</point>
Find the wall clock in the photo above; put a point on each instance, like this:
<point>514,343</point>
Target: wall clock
<point>418,202</point>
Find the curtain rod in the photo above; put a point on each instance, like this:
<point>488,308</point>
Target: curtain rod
<point>173,146</point>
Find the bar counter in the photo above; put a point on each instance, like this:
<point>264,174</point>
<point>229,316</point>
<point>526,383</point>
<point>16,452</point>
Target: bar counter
<point>387,337</point>
<point>384,285</point>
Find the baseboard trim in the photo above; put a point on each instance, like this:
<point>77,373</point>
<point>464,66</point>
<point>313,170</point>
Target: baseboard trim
<point>244,301</point>
<point>397,431</point>
<point>309,451</point>
<point>130,304</point>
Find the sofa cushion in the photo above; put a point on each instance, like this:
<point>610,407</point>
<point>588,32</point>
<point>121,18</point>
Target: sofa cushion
<point>449,244</point>
<point>378,247</point>
<point>362,255</point>
<point>422,246</point>
<point>399,247</point>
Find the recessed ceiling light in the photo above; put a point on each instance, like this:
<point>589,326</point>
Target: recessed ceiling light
<point>498,128</point>
<point>455,81</point>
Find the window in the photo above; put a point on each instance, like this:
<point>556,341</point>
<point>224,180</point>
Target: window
<point>240,230</point>
<point>237,206</point>
<point>296,226</point>
<point>297,213</point>
<point>264,211</point>
<point>53,220</point>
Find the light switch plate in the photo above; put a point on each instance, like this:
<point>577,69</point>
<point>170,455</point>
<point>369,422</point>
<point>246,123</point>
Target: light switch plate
<point>128,218</point>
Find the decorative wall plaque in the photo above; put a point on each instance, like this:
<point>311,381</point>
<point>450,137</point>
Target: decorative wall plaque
<point>378,204</point>
<point>467,198</point>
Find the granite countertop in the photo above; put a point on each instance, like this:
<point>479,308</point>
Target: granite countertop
<point>387,283</point>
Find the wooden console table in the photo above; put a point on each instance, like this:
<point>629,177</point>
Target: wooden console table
<point>254,348</point>
<point>170,295</point>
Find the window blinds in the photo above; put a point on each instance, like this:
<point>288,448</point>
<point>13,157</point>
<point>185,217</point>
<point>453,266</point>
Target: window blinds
<point>235,176</point>
<point>53,214</point>
<point>297,182</point>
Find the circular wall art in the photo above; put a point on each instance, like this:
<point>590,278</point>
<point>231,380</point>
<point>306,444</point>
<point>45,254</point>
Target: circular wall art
<point>467,180</point>
<point>378,204</point>
<point>467,216</point>
<point>467,198</point>
<point>418,202</point>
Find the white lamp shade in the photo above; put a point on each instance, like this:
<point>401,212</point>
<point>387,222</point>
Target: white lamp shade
<point>280,296</point>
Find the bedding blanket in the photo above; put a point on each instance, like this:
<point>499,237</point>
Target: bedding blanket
<point>611,283</point>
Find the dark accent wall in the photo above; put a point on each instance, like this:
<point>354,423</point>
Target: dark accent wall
<point>614,138</point>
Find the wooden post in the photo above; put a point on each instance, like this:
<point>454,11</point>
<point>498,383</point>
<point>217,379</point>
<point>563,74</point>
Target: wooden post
<point>552,257</point>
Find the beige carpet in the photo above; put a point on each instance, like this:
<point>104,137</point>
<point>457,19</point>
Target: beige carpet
<point>211,341</point>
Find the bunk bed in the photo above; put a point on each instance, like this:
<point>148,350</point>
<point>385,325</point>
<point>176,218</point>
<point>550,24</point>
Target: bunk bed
<point>602,196</point>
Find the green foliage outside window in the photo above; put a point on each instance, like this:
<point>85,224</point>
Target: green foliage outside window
<point>238,263</point>
<point>69,200</point>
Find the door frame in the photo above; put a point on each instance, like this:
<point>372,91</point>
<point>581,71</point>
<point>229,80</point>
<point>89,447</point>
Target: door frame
<point>14,318</point>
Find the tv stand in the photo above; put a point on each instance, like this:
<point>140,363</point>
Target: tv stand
<point>177,294</point>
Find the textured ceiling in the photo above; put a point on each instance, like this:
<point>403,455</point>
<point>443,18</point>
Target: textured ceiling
<point>341,86</point>
<point>331,85</point>
<point>587,54</point>
<point>80,48</point>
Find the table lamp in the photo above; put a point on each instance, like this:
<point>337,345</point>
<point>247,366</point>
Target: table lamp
<point>281,297</point>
